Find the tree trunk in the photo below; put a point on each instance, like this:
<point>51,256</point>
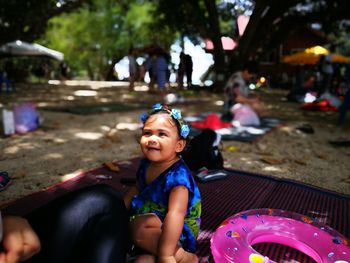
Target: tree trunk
<point>218,51</point>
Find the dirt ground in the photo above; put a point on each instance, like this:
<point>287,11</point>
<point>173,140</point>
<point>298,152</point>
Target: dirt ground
<point>79,132</point>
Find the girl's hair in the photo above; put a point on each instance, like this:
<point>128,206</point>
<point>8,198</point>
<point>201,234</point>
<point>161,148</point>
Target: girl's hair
<point>175,114</point>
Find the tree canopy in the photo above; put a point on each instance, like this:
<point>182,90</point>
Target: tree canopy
<point>27,20</point>
<point>100,34</point>
<point>95,34</point>
<point>270,21</point>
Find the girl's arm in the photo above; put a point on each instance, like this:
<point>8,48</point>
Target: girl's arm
<point>173,222</point>
<point>129,195</point>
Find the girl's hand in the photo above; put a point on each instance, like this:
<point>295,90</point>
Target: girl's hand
<point>20,242</point>
<point>166,259</point>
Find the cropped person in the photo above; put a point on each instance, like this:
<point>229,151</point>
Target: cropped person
<point>87,225</point>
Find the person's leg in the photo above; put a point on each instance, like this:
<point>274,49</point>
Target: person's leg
<point>88,225</point>
<point>189,77</point>
<point>145,259</point>
<point>145,233</point>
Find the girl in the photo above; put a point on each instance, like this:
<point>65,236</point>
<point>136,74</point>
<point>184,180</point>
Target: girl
<point>165,204</point>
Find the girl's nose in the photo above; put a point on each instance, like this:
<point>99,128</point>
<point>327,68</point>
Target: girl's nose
<point>151,141</point>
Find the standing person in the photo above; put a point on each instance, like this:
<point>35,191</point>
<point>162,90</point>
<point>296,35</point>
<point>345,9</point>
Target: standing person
<point>344,107</point>
<point>327,70</point>
<point>151,68</point>
<point>132,69</point>
<point>87,225</point>
<point>188,70</point>
<point>181,71</point>
<point>63,70</point>
<point>162,70</point>
<point>165,205</point>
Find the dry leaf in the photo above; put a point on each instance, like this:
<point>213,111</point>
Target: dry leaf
<point>302,162</point>
<point>346,180</point>
<point>111,166</point>
<point>265,153</point>
<point>321,156</point>
<point>271,160</point>
<point>19,175</point>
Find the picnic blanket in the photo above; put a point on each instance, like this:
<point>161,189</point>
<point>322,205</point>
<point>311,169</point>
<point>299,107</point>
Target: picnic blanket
<point>241,133</point>
<point>239,191</point>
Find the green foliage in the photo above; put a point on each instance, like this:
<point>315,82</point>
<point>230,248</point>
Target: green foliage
<point>95,38</point>
<point>27,20</point>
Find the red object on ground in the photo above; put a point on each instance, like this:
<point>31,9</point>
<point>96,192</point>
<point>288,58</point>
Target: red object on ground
<point>322,105</point>
<point>212,121</point>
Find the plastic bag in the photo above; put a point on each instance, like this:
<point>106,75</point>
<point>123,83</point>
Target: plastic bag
<point>26,118</point>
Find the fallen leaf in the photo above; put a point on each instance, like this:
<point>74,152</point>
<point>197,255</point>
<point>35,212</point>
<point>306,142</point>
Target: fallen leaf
<point>19,175</point>
<point>111,166</point>
<point>271,160</point>
<point>302,162</point>
<point>265,153</point>
<point>321,156</point>
<point>346,180</point>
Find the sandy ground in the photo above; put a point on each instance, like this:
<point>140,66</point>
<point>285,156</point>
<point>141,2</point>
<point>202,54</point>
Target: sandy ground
<point>67,143</point>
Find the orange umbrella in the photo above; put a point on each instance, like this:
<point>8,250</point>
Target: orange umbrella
<point>312,55</point>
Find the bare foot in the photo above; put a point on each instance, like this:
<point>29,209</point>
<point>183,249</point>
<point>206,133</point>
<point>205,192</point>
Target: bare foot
<point>145,259</point>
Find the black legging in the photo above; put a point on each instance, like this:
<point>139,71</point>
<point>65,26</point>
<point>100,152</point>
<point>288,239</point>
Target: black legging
<point>88,225</point>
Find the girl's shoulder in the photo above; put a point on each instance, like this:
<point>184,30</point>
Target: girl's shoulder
<point>181,167</point>
<point>179,174</point>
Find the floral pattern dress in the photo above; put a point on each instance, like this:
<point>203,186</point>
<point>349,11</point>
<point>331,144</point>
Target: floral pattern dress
<point>154,197</point>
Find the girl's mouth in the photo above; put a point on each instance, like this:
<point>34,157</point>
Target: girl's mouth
<point>152,149</point>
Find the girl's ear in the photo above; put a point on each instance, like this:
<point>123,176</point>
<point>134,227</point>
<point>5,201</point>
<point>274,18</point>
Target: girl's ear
<point>180,145</point>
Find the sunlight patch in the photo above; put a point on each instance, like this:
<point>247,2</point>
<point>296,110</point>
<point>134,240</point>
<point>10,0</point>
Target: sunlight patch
<point>129,126</point>
<point>69,98</point>
<point>219,103</point>
<point>141,88</point>
<point>70,175</point>
<point>54,156</point>
<point>271,169</point>
<point>89,135</point>
<point>41,104</point>
<point>85,93</point>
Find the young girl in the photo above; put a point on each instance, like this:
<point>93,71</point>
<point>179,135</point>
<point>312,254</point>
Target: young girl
<point>165,204</point>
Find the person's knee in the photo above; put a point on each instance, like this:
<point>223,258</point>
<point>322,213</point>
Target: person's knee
<point>104,198</point>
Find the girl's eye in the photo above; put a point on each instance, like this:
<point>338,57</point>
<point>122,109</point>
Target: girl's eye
<point>146,133</point>
<point>162,134</point>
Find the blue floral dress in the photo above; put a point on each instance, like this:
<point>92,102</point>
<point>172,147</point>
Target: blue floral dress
<point>153,198</point>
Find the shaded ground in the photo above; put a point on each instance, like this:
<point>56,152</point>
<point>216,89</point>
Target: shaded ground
<point>84,125</point>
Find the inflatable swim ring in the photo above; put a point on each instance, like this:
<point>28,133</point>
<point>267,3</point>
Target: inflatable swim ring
<point>233,239</point>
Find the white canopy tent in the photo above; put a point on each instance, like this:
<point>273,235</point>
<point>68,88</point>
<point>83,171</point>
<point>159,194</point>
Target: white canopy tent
<point>20,48</point>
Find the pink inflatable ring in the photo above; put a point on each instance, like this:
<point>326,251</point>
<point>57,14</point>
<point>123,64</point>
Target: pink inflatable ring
<point>233,239</point>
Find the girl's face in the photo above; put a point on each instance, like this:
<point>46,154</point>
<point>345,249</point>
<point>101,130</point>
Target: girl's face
<point>160,140</point>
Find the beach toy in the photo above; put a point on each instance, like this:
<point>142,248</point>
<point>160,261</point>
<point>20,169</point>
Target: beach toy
<point>233,239</point>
